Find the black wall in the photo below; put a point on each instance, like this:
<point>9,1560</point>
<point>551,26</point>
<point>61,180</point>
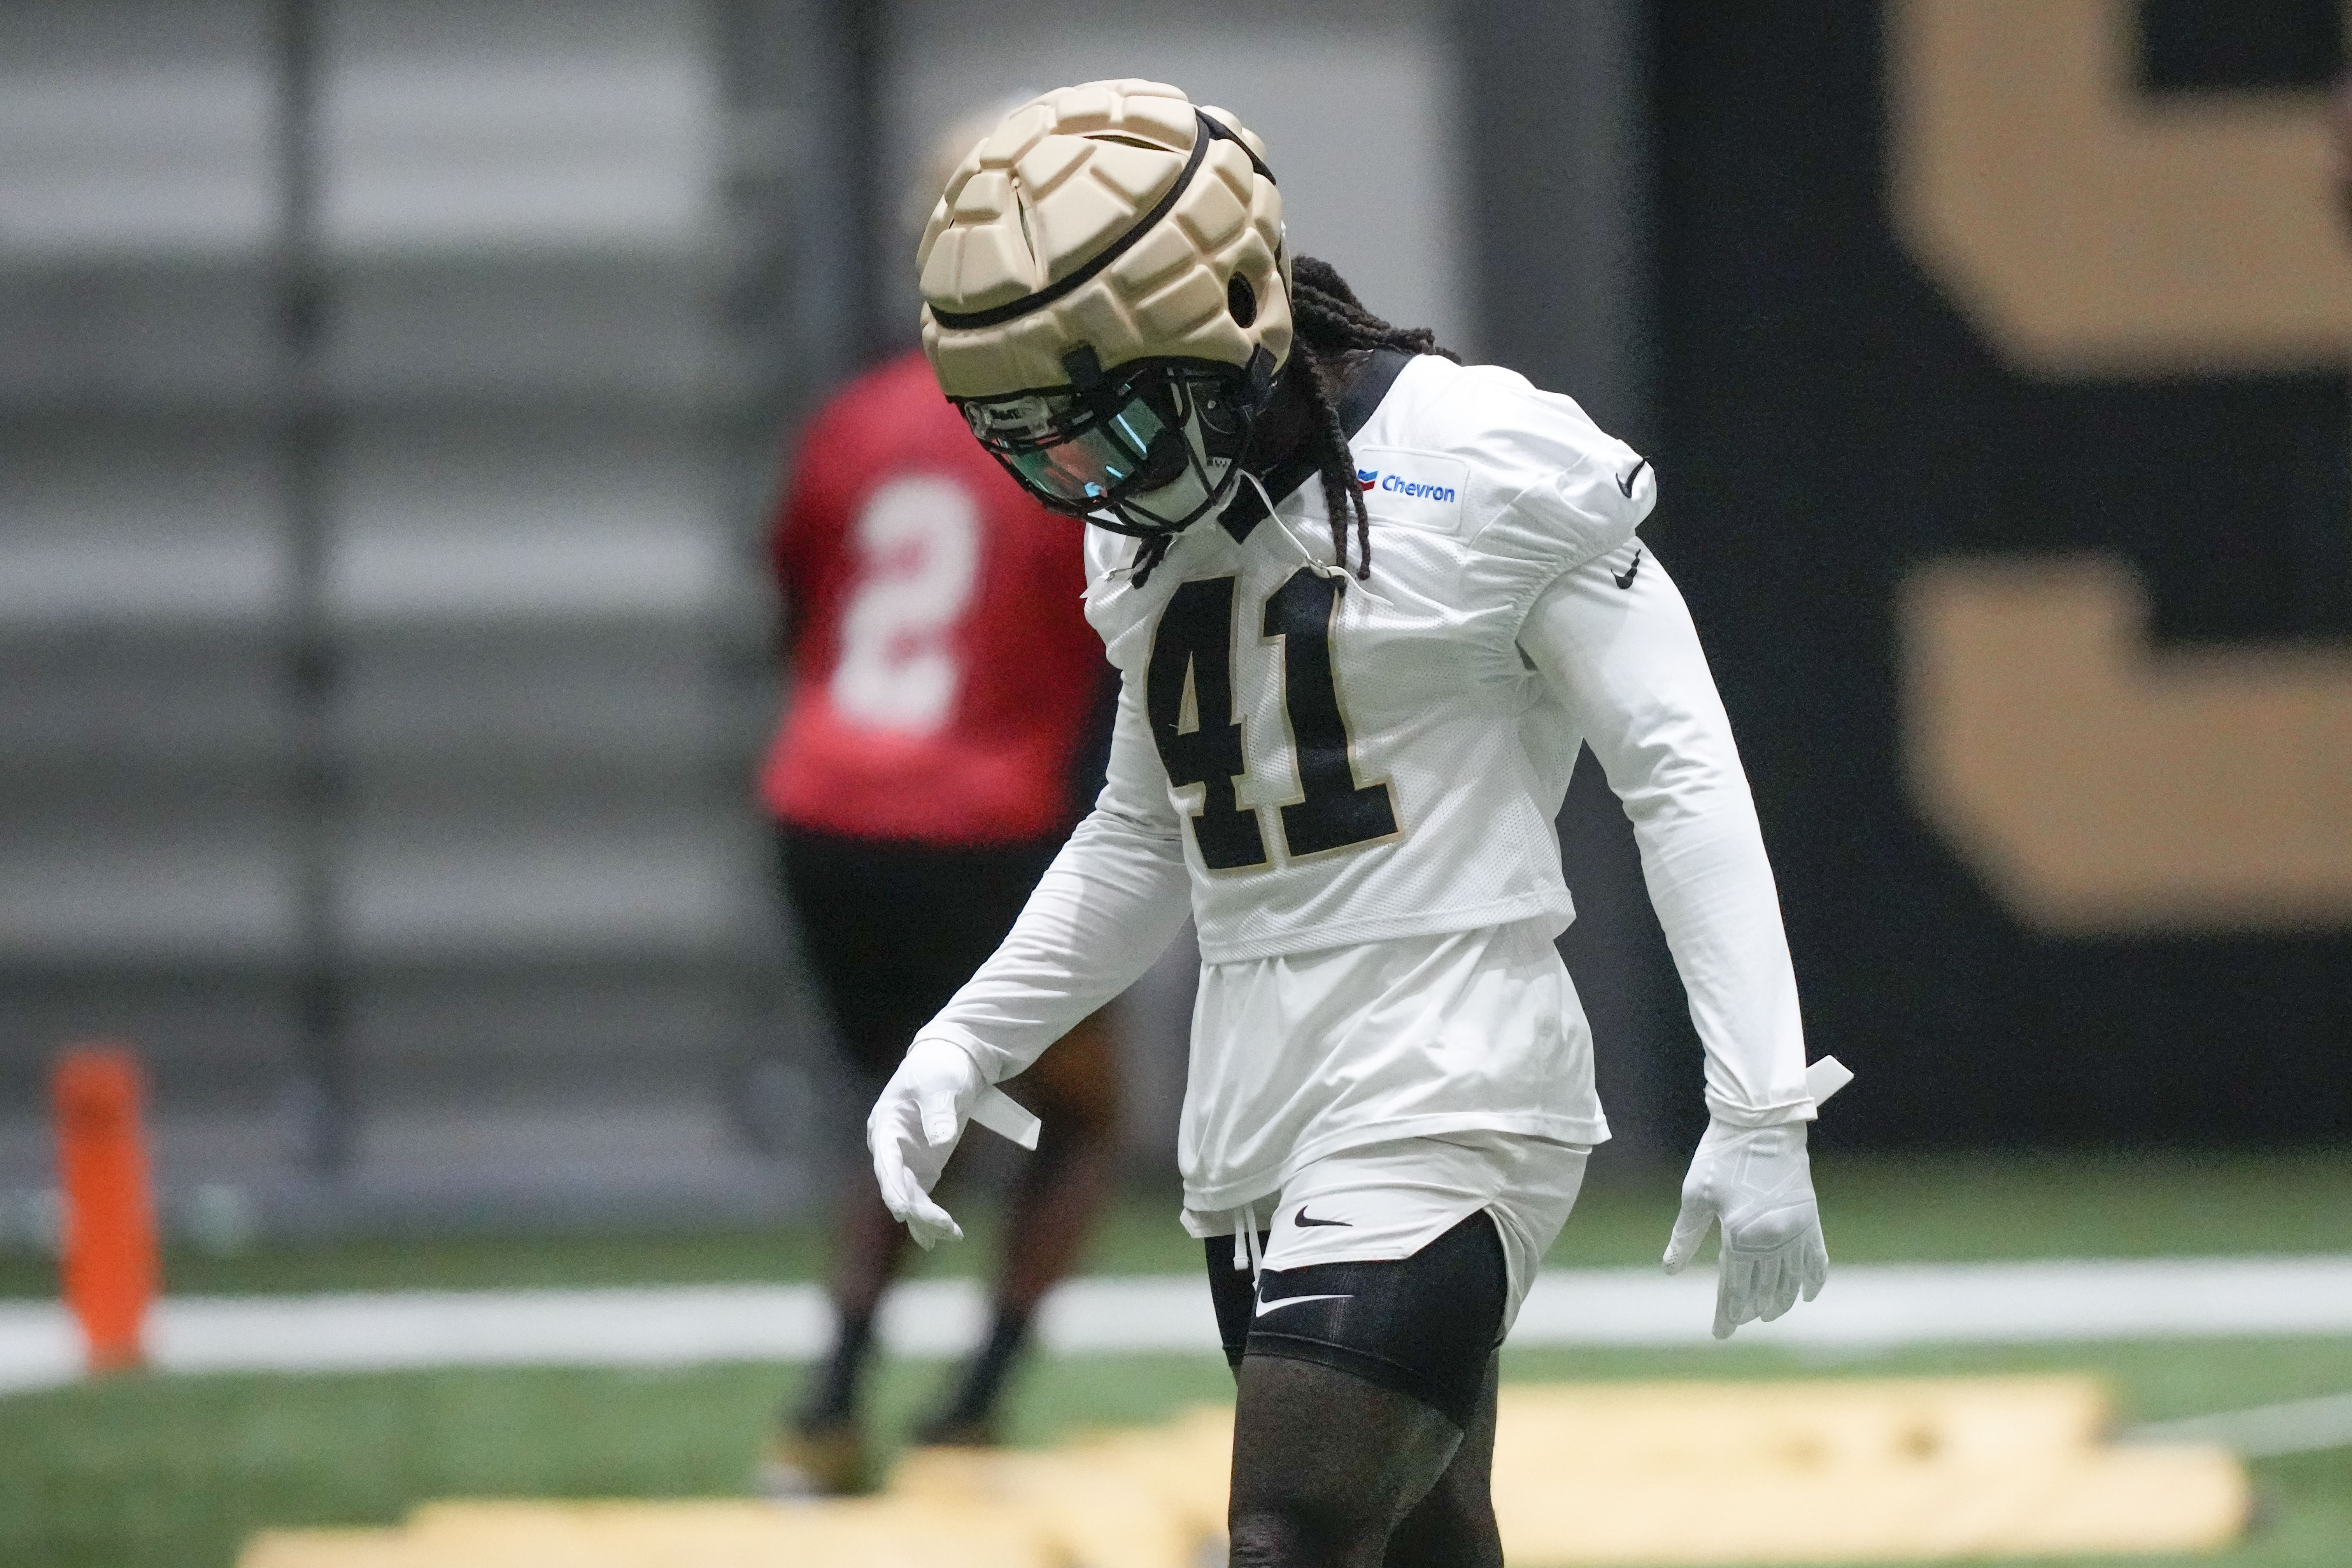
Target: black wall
<point>1826,421</point>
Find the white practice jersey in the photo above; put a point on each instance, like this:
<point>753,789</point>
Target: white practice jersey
<point>1354,761</point>
<point>1302,1056</point>
<point>1304,762</point>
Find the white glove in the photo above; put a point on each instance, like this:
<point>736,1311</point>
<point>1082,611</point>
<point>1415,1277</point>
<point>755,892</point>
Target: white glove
<point>914,1126</point>
<point>1759,1183</point>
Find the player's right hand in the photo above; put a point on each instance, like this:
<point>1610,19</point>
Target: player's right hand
<point>1759,1184</point>
<point>914,1126</point>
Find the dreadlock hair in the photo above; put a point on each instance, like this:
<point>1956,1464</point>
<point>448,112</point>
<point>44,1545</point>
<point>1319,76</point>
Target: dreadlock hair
<point>1327,319</point>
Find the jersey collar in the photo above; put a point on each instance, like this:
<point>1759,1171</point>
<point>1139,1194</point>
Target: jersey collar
<point>1366,384</point>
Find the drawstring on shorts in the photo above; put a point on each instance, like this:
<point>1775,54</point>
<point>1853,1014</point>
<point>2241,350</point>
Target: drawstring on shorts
<point>1245,1249</point>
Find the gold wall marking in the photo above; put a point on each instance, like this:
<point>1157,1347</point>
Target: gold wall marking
<point>2101,786</point>
<point>2085,229</point>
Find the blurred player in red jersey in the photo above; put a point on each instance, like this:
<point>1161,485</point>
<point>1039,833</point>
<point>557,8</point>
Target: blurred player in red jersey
<point>947,690</point>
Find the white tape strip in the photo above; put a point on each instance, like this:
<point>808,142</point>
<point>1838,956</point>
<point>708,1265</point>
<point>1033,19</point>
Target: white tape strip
<point>1005,1116</point>
<point>1826,1077</point>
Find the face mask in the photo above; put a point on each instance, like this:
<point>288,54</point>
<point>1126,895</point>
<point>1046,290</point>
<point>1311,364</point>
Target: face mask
<point>1147,449</point>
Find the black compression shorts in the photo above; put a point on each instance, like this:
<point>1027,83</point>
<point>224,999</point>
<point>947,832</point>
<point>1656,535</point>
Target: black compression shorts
<point>1424,1325</point>
<point>892,930</point>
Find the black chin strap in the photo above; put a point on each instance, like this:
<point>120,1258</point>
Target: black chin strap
<point>1148,557</point>
<point>1359,396</point>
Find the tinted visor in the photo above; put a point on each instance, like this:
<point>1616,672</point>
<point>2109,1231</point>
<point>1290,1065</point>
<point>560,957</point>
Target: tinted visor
<point>1128,433</point>
<point>1092,465</point>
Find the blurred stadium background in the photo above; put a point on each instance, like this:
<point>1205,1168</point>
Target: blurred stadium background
<point>392,392</point>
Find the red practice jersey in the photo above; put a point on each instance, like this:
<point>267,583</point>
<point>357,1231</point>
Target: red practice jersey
<point>944,675</point>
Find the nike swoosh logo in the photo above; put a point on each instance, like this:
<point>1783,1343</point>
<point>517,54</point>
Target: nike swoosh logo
<point>1626,481</point>
<point>1627,580</point>
<point>1302,1218</point>
<point>1266,1307</point>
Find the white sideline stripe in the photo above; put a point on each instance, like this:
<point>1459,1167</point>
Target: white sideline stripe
<point>1865,1305</point>
<point>2298,1427</point>
<point>1955,1303</point>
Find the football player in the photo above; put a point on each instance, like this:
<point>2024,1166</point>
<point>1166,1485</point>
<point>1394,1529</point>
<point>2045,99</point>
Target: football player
<point>1366,602</point>
<point>947,695</point>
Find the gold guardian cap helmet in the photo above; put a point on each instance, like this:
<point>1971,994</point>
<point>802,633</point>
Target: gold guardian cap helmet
<point>1105,299</point>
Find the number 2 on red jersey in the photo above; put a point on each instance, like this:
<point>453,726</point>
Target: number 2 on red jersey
<point>917,562</point>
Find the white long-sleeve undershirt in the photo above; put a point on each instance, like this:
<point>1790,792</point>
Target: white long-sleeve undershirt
<point>1108,906</point>
<point>1626,660</point>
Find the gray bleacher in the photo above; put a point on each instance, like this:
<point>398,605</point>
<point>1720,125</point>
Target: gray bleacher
<point>384,642</point>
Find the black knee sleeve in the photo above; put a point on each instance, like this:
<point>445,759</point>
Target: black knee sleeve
<point>1423,1325</point>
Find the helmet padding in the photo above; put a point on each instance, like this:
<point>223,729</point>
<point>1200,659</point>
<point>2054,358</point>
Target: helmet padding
<point>1113,216</point>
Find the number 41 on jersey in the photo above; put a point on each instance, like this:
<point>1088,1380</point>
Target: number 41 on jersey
<point>1189,696</point>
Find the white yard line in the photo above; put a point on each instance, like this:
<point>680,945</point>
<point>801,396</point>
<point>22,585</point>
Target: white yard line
<point>2298,1427</point>
<point>1951,1303</point>
<point>1865,1306</point>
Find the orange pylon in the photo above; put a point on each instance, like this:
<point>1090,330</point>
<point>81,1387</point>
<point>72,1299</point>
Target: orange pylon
<point>111,1263</point>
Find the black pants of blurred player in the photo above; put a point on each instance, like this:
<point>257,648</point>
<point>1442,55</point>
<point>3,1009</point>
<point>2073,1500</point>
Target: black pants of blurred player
<point>890,930</point>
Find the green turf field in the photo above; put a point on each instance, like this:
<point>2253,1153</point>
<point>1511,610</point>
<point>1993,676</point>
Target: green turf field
<point>145,1472</point>
<point>1876,1208</point>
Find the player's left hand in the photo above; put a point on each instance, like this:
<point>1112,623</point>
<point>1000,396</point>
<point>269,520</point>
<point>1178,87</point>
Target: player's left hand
<point>915,1125</point>
<point>1757,1182</point>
